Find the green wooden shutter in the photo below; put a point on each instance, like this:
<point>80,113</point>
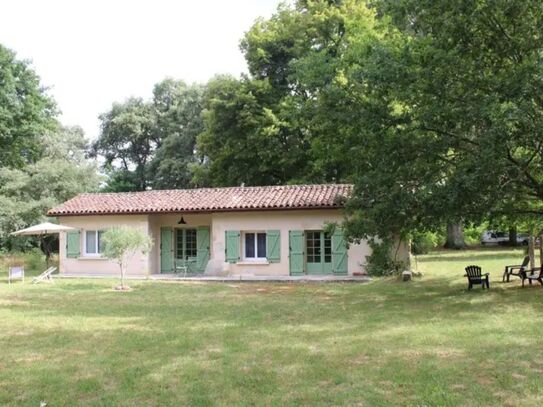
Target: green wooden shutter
<point>166,250</point>
<point>273,246</point>
<point>296,252</point>
<point>231,246</point>
<point>339,253</point>
<point>202,248</point>
<point>73,245</point>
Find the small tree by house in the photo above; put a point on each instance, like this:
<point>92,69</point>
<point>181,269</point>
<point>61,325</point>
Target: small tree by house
<point>122,243</point>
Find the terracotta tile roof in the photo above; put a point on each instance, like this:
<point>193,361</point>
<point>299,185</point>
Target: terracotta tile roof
<point>206,200</point>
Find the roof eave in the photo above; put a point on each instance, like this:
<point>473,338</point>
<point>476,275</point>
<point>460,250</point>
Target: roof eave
<point>165,212</point>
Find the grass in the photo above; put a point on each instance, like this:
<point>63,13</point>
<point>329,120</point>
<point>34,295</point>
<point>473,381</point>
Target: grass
<point>425,343</point>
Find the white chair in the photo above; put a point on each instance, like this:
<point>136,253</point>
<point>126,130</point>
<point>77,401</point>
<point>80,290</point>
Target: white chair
<point>45,276</point>
<point>16,272</point>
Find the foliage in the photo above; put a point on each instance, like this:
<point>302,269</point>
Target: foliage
<point>27,193</point>
<point>122,243</point>
<point>26,111</point>
<point>150,144</point>
<point>451,107</point>
<point>127,140</point>
<point>177,108</point>
<point>246,138</point>
<point>35,259</point>
<point>423,242</point>
<point>381,261</point>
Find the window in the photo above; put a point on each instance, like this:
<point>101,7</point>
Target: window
<point>93,242</point>
<point>327,248</point>
<point>317,244</point>
<point>254,245</point>
<point>185,243</point>
<point>313,243</point>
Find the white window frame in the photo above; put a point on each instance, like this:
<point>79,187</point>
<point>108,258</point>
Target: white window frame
<point>243,244</point>
<point>97,254</point>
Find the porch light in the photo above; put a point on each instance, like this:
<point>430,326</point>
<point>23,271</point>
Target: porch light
<point>181,221</point>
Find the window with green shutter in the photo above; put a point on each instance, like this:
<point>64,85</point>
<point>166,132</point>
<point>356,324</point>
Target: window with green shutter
<point>296,252</point>
<point>73,245</point>
<point>202,248</point>
<point>231,245</point>
<point>273,243</point>
<point>339,253</point>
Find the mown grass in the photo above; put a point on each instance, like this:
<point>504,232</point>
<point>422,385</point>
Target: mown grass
<point>429,342</point>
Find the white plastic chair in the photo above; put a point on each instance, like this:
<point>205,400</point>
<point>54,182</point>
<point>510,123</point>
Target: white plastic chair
<point>16,273</point>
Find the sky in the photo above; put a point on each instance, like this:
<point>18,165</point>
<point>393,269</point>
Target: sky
<point>93,53</point>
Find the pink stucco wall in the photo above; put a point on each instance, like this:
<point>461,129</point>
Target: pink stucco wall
<point>143,264</point>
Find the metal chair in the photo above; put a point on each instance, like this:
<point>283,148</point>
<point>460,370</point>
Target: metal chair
<point>184,266</point>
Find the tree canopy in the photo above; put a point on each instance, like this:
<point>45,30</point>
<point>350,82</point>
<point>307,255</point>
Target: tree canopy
<point>26,111</point>
<point>150,144</point>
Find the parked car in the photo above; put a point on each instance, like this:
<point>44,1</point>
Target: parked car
<point>493,237</point>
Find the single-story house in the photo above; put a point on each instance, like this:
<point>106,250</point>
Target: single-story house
<point>270,230</point>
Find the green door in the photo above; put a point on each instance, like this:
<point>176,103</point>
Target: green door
<point>319,252</point>
<point>296,252</point>
<point>202,248</point>
<point>186,249</point>
<point>166,250</point>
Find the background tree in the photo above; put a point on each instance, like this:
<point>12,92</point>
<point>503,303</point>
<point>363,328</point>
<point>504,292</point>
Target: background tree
<point>151,144</point>
<point>178,121</point>
<point>127,143</point>
<point>453,99</point>
<point>27,194</point>
<point>246,138</point>
<point>26,111</point>
<point>265,123</point>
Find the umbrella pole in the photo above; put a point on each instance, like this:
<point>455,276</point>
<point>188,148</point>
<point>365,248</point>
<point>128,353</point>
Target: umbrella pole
<point>46,249</point>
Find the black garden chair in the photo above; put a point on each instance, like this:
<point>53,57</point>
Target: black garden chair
<point>475,276</point>
<point>534,274</point>
<point>517,270</point>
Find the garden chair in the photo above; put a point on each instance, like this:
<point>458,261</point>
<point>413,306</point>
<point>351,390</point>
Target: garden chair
<point>184,266</point>
<point>516,270</point>
<point>534,275</point>
<point>47,275</point>
<point>16,272</point>
<point>475,276</point>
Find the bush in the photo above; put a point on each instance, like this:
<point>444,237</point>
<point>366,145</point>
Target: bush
<point>472,234</point>
<point>423,242</point>
<point>380,261</point>
<point>34,259</point>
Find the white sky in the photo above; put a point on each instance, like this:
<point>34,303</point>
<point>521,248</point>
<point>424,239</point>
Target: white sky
<point>94,52</point>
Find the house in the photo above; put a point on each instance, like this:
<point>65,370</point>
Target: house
<point>270,231</point>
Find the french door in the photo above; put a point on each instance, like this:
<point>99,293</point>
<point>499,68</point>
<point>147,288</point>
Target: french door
<point>318,246</point>
<point>185,244</point>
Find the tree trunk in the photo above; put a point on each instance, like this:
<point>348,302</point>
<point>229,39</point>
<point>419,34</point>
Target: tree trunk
<point>531,251</point>
<point>513,236</point>
<point>122,276</point>
<point>455,236</point>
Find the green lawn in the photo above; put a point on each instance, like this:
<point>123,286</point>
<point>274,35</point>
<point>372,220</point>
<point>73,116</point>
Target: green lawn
<point>425,343</point>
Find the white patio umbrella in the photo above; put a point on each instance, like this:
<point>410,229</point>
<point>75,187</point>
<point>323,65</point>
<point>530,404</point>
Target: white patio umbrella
<point>46,228</point>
